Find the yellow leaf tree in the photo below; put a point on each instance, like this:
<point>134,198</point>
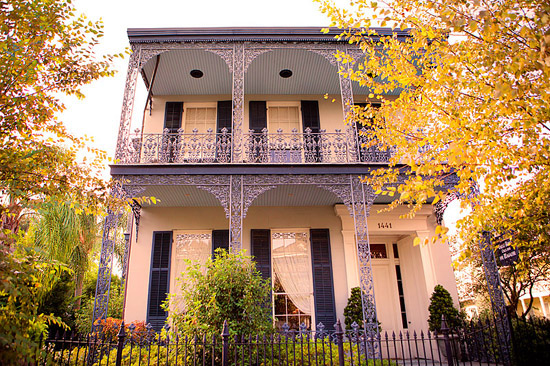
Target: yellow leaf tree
<point>474,82</point>
<point>46,50</point>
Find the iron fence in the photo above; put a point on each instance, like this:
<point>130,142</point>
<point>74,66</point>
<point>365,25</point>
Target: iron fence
<point>474,344</point>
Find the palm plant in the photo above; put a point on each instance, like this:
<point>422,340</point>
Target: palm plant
<point>62,234</point>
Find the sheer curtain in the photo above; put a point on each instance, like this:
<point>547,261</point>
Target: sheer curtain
<point>194,245</point>
<point>292,265</point>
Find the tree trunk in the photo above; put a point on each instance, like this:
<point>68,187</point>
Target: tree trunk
<point>78,291</point>
<point>10,219</point>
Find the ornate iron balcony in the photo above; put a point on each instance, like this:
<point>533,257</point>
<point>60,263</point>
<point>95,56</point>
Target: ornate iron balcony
<point>212,147</point>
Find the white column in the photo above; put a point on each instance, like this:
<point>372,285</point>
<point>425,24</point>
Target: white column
<point>543,307</point>
<point>350,250</point>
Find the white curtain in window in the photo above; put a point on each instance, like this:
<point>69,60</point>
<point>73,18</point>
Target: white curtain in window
<point>191,245</point>
<point>292,265</point>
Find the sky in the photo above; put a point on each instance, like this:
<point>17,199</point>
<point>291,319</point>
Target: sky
<point>98,115</point>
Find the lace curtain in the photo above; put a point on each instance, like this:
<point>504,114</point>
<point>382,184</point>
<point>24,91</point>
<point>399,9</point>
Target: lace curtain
<point>292,265</point>
<point>191,245</point>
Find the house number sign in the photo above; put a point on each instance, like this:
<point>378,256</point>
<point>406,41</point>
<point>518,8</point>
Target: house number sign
<point>384,225</point>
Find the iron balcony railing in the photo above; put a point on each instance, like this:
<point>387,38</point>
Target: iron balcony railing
<point>263,147</point>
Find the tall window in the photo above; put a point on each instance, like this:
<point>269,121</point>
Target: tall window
<point>292,279</point>
<point>200,116</point>
<point>284,116</point>
<point>193,245</point>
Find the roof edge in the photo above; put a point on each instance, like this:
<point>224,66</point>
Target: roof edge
<point>141,35</point>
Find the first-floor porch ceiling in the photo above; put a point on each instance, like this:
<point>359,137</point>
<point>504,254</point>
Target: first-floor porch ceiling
<point>191,196</point>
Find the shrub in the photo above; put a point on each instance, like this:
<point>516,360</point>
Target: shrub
<point>24,281</point>
<point>353,312</point>
<point>531,341</point>
<point>228,287</point>
<point>110,327</point>
<point>441,303</point>
<point>84,315</point>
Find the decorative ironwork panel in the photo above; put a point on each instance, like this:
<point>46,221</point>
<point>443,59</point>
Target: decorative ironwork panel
<point>277,235</point>
<point>251,193</point>
<point>362,198</point>
<point>355,53</point>
<point>226,54</point>
<point>441,206</point>
<point>222,194</point>
<point>346,91</point>
<point>167,180</point>
<point>250,55</point>
<point>182,238</point>
<point>236,213</point>
<point>150,50</point>
<point>328,54</point>
<point>281,179</point>
<point>498,304</point>
<point>103,286</point>
<point>343,191</point>
<point>238,101</point>
<point>127,105</point>
<point>136,211</point>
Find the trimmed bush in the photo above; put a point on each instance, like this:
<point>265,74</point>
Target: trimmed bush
<point>441,303</point>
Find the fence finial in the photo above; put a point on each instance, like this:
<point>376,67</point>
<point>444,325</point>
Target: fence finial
<point>444,326</point>
<point>225,341</point>
<point>448,349</point>
<point>120,345</point>
<point>340,341</point>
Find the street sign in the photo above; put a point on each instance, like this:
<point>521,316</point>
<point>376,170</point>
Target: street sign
<point>506,253</point>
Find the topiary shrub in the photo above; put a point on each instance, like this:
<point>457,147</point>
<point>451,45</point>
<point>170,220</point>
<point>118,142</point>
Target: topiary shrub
<point>353,312</point>
<point>228,287</point>
<point>441,303</point>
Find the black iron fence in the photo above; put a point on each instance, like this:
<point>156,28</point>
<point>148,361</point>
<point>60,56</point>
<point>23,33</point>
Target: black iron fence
<point>476,343</point>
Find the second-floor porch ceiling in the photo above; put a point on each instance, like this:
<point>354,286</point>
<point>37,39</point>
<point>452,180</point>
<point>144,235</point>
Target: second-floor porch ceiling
<point>311,73</point>
<point>306,52</point>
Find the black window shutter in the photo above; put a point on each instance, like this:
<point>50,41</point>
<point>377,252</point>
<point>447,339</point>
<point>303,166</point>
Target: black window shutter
<point>257,115</point>
<point>310,119</point>
<point>172,116</point>
<point>225,111</point>
<point>220,239</point>
<point>323,288</point>
<point>261,251</point>
<point>310,115</point>
<point>159,279</point>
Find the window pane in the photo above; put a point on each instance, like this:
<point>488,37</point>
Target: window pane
<point>200,119</point>
<point>280,304</point>
<point>292,279</point>
<point>284,118</point>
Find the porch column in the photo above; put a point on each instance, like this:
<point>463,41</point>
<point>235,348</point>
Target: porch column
<point>361,200</point>
<point>128,105</point>
<point>103,285</point>
<point>350,251</point>
<point>235,213</point>
<point>523,307</point>
<point>346,92</point>
<point>542,305</point>
<point>427,261</point>
<point>238,103</point>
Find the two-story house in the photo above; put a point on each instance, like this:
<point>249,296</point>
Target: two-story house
<point>244,146</point>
